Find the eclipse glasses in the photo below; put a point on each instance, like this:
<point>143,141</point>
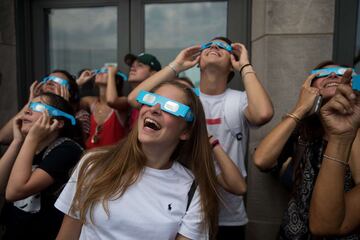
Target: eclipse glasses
<point>167,105</point>
<point>54,112</point>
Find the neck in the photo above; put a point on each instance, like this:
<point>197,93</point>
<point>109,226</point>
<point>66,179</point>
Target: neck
<point>52,137</point>
<point>102,94</point>
<point>157,157</point>
<point>213,81</point>
<point>134,84</point>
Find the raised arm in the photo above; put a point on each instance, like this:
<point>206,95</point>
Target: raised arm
<point>230,177</point>
<point>24,182</point>
<point>270,148</point>
<point>186,59</point>
<point>333,212</point>
<point>6,132</point>
<point>8,159</point>
<point>112,96</point>
<point>259,110</point>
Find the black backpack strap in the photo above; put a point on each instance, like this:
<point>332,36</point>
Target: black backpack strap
<point>191,194</point>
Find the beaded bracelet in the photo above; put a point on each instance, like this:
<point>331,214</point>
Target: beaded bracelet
<point>335,160</point>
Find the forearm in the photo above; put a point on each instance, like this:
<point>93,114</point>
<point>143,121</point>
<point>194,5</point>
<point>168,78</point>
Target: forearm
<point>163,75</point>
<point>111,91</point>
<point>270,148</point>
<point>7,162</point>
<point>230,173</point>
<point>70,229</point>
<point>22,169</point>
<point>327,210</point>
<point>260,109</point>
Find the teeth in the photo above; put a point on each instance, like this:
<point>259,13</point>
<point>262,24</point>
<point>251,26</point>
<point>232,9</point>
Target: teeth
<point>151,124</point>
<point>331,85</point>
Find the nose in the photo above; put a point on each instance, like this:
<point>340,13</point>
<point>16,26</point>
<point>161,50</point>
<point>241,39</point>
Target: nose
<point>28,111</point>
<point>156,109</point>
<point>332,75</point>
<point>213,45</point>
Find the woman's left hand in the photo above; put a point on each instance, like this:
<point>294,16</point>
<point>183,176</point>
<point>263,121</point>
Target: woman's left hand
<point>42,128</point>
<point>240,51</point>
<point>341,115</point>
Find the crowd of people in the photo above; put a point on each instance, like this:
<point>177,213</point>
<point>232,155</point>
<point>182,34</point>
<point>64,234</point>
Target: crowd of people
<point>168,161</point>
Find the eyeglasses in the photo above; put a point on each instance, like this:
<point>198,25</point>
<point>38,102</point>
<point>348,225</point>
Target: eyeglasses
<point>167,105</point>
<point>222,45</point>
<point>54,112</point>
<point>104,70</point>
<point>324,72</point>
<point>58,80</point>
<point>96,137</point>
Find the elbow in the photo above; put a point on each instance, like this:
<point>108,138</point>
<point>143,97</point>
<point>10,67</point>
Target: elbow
<point>264,117</point>
<point>11,195</point>
<point>260,162</point>
<point>242,190</point>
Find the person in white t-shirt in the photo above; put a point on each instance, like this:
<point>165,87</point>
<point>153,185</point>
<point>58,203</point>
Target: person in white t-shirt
<point>229,113</point>
<point>140,188</point>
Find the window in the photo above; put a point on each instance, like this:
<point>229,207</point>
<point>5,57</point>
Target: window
<point>172,27</point>
<point>82,38</point>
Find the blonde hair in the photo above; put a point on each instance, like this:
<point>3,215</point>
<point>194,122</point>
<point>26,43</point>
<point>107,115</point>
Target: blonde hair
<point>107,175</point>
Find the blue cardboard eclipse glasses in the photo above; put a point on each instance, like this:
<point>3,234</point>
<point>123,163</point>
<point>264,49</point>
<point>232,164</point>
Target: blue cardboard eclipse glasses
<point>222,45</point>
<point>168,105</point>
<point>324,72</point>
<point>54,112</point>
<point>58,80</point>
<point>104,70</point>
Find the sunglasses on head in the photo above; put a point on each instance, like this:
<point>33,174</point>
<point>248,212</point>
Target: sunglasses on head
<point>325,72</point>
<point>221,45</point>
<point>54,112</point>
<point>58,80</point>
<point>167,105</point>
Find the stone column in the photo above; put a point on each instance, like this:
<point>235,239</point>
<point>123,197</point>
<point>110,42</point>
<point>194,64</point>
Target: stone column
<point>289,37</point>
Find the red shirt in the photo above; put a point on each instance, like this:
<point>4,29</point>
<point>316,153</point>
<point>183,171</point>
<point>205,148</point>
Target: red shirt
<point>108,133</point>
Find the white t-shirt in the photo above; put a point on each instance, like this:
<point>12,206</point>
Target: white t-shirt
<point>152,208</point>
<point>232,213</point>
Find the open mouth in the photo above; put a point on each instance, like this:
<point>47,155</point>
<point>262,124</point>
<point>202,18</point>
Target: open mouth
<point>150,123</point>
<point>331,84</point>
<point>213,53</point>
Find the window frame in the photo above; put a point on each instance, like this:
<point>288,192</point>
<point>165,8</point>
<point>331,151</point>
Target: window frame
<point>344,44</point>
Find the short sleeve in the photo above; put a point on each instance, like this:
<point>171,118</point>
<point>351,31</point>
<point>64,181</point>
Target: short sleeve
<point>192,224</point>
<point>61,159</point>
<point>64,201</point>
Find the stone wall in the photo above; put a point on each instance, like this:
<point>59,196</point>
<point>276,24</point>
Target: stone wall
<point>289,37</point>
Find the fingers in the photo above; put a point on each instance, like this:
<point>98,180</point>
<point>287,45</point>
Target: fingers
<point>346,78</point>
<point>309,79</point>
<point>64,92</point>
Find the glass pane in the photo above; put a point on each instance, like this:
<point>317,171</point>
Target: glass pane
<point>173,26</point>
<point>357,48</point>
<point>82,38</point>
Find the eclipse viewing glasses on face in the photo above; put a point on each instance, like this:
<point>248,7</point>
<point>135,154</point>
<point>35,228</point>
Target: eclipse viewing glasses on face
<point>54,112</point>
<point>167,105</point>
<point>324,72</point>
<point>222,45</point>
<point>104,70</point>
<point>58,80</point>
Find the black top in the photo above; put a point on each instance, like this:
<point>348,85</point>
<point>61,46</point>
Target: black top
<point>36,217</point>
